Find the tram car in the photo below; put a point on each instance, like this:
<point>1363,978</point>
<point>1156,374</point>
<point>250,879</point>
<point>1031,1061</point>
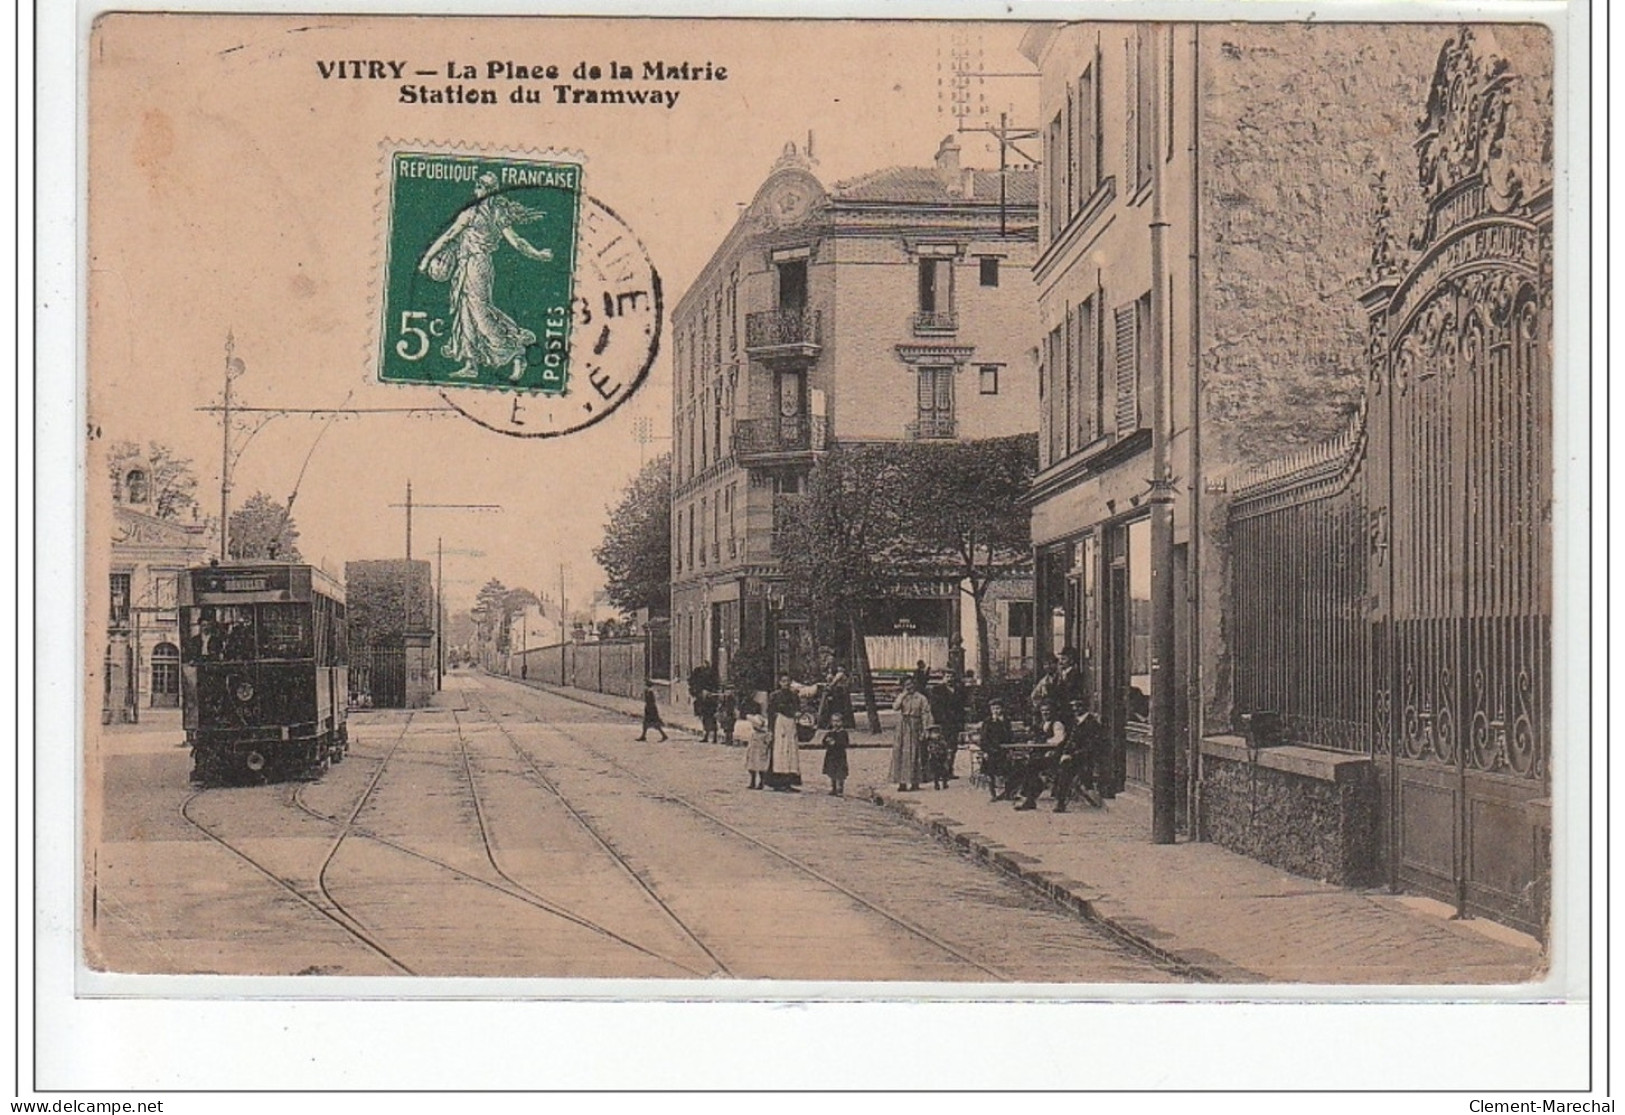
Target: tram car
<point>264,670</point>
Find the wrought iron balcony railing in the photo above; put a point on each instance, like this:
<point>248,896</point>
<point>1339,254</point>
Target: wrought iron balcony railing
<point>799,330</point>
<point>936,321</point>
<point>759,437</point>
<point>927,428</point>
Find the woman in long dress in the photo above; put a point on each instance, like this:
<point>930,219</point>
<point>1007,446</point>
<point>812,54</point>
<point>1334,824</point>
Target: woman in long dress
<point>783,706</point>
<point>481,333</point>
<point>908,749</point>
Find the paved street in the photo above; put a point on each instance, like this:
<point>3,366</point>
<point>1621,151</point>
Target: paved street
<point>514,832</point>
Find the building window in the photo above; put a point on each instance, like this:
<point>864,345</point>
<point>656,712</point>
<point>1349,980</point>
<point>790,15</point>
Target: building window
<point>1085,375</point>
<point>733,313</point>
<point>1055,408</point>
<point>1132,330</point>
<point>989,379</point>
<point>135,487</point>
<point>1055,163</point>
<point>691,538</point>
<point>936,294</point>
<point>792,285</point>
<point>936,403</point>
<point>989,269</point>
<point>1143,89</point>
<point>118,612</point>
<point>166,675</point>
<point>1087,145</point>
<point>704,518</point>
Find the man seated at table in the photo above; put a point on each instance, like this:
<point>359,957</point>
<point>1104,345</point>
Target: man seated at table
<point>996,736</point>
<point>1077,762</point>
<point>1051,732</point>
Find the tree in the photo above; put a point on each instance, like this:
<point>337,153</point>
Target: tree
<point>494,609</point>
<point>965,514</point>
<point>263,530</point>
<point>173,480</point>
<point>837,542</point>
<point>636,551</point>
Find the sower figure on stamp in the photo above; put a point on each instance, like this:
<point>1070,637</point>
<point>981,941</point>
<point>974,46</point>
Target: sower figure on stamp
<point>481,334</point>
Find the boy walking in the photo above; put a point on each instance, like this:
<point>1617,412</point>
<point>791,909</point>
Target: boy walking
<point>651,713</point>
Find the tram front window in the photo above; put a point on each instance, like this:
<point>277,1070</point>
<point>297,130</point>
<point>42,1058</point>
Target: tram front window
<point>284,631</point>
<point>220,633</point>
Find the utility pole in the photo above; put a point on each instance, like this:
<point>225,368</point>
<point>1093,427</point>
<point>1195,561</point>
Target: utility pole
<point>1164,802</point>
<point>563,611</point>
<point>234,368</point>
<point>439,613</point>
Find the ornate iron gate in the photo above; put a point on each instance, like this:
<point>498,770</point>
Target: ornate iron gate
<point>1441,493</point>
<point>1460,422</point>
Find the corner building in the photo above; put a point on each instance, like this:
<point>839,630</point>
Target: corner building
<point>894,306</point>
<point>1308,174</point>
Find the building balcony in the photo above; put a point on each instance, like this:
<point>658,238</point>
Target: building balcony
<point>935,323</point>
<point>771,334</point>
<point>926,429</point>
<point>768,441</point>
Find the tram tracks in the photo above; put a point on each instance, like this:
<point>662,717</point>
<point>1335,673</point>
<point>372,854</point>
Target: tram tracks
<point>541,778</point>
<point>330,908</point>
<point>669,795</point>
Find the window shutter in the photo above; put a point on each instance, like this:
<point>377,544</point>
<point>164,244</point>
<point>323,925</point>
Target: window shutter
<point>1128,380</point>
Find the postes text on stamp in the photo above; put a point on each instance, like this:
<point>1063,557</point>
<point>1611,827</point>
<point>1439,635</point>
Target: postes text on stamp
<point>480,271</point>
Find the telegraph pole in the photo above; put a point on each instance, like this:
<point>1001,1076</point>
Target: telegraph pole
<point>1164,801</point>
<point>234,367</point>
<point>563,611</point>
<point>439,612</point>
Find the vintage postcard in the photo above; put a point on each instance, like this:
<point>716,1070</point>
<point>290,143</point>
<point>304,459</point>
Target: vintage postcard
<point>989,505</point>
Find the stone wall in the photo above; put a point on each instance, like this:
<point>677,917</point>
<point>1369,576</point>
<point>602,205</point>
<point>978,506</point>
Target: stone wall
<point>1310,812</point>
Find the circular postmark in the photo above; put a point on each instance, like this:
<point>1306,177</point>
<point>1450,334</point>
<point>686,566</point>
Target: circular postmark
<point>617,311</point>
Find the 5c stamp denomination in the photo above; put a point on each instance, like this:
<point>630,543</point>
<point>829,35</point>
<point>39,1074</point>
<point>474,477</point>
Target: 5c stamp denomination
<point>480,271</point>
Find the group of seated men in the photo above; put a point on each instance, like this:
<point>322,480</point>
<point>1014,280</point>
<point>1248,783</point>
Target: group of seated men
<point>1072,756</point>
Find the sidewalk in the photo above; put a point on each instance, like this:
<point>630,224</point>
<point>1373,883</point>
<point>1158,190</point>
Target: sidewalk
<point>681,717</point>
<point>1220,915</point>
<point>1224,916</point>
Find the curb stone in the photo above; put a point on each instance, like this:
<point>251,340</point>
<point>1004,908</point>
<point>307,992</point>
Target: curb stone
<point>1070,894</point>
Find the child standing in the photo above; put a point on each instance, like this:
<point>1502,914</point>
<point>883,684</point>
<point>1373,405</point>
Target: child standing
<point>727,713</point>
<point>937,757</point>
<point>758,753</point>
<point>651,713</point>
<point>835,745</point>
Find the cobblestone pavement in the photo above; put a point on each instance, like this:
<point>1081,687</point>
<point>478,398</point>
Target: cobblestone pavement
<point>1226,916</point>
<point>514,832</point>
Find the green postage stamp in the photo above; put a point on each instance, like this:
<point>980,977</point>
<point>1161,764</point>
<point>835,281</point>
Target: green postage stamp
<point>479,272</point>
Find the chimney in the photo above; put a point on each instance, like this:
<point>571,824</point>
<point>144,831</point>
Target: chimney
<point>948,165</point>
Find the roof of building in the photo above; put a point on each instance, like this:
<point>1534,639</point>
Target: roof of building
<point>923,185</point>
